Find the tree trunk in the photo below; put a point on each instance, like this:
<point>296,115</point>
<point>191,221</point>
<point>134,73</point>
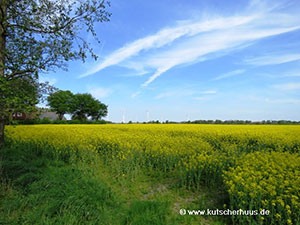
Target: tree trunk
<point>2,125</point>
<point>3,26</point>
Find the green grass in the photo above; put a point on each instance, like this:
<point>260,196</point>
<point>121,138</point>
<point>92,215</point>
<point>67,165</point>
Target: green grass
<point>39,188</point>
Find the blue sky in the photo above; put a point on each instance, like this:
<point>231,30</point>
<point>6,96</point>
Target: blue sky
<point>193,60</point>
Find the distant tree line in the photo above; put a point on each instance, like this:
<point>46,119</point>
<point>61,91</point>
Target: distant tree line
<point>243,122</point>
<point>275,122</point>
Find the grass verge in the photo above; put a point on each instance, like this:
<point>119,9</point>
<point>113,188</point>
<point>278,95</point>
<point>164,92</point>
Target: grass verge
<point>37,188</point>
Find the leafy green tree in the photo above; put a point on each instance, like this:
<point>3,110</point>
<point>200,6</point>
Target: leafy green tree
<point>21,95</point>
<point>17,94</point>
<point>38,36</point>
<point>86,106</point>
<point>61,102</point>
<point>98,111</point>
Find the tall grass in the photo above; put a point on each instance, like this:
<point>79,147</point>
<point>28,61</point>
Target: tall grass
<point>38,187</point>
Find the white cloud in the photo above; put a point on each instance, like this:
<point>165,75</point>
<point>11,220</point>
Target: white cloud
<point>202,98</point>
<point>207,95</point>
<point>288,100</point>
<point>194,41</point>
<point>287,86</point>
<point>176,93</point>
<point>159,71</point>
<point>197,48</point>
<point>291,74</point>
<point>273,59</point>
<point>136,94</point>
<point>230,74</point>
<point>164,95</point>
<point>140,70</point>
<point>99,92</point>
<point>282,74</point>
<point>208,92</point>
<point>167,36</point>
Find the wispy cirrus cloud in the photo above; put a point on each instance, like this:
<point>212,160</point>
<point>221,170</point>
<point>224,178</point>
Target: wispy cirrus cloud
<point>287,86</point>
<point>184,93</point>
<point>135,94</point>
<point>195,41</point>
<point>99,92</point>
<point>291,74</point>
<point>282,74</point>
<point>167,36</point>
<point>208,92</point>
<point>285,100</point>
<point>273,59</point>
<point>202,98</point>
<point>230,74</point>
<point>166,94</point>
<point>198,48</point>
<point>177,93</point>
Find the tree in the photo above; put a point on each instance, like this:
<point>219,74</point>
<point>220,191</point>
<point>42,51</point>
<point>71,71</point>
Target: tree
<point>99,111</point>
<point>86,106</point>
<point>61,102</point>
<point>37,36</point>
<point>21,95</point>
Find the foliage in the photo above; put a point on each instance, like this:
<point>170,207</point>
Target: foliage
<point>81,106</point>
<point>46,120</point>
<point>17,95</point>
<point>61,102</point>
<point>21,95</point>
<point>86,106</point>
<point>38,36</point>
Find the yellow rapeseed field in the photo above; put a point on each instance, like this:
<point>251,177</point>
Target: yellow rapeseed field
<point>258,164</point>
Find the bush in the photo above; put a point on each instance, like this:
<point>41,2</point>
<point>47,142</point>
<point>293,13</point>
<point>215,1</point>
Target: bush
<point>43,121</point>
<point>59,121</point>
<point>48,121</point>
